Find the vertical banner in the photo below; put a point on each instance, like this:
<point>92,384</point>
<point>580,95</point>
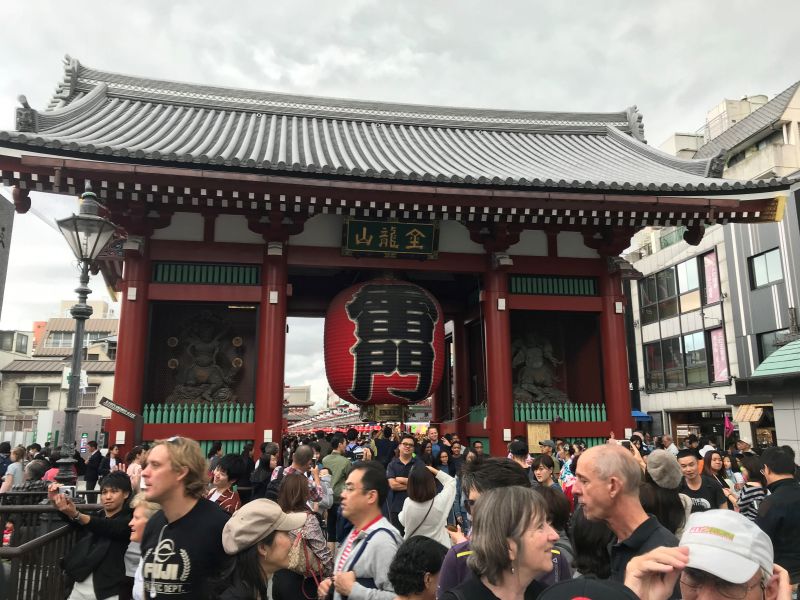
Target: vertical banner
<point>720,356</point>
<point>712,277</point>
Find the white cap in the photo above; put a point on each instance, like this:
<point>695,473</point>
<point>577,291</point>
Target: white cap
<point>727,545</point>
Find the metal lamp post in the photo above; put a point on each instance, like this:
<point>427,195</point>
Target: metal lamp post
<point>87,234</point>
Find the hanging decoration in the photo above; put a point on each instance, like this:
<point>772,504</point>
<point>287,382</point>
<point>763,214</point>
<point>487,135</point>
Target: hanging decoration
<point>384,343</point>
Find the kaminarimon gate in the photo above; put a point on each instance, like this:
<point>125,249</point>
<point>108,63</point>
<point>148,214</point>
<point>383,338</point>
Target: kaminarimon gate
<point>237,208</point>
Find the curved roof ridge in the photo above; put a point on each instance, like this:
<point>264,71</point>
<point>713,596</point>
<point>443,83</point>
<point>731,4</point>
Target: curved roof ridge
<point>80,78</point>
<point>739,132</point>
<point>698,167</point>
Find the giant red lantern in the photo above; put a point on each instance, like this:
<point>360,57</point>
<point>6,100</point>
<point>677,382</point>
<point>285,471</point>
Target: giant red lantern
<point>384,343</point>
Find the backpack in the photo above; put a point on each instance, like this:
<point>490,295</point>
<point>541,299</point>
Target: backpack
<point>274,486</point>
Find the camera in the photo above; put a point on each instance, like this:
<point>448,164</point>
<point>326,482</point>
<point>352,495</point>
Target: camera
<point>68,490</point>
<point>626,443</point>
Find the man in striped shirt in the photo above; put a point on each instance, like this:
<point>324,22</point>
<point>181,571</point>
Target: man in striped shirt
<point>361,567</point>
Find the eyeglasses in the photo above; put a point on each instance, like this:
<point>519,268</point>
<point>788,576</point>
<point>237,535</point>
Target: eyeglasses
<point>350,488</point>
<point>696,579</point>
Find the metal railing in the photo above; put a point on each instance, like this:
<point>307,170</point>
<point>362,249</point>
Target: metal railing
<point>31,564</point>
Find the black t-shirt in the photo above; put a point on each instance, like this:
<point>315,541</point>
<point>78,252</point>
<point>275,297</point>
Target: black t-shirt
<point>396,468</point>
<point>473,589</point>
<point>708,497</point>
<point>189,552</point>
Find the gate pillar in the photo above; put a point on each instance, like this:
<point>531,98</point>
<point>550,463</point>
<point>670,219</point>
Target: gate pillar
<point>497,353</point>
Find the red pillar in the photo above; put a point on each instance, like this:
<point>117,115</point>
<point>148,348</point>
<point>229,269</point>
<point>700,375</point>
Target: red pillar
<point>436,413</point>
<point>615,356</point>
<point>497,352</point>
<point>463,387</point>
<point>131,345</point>
<point>271,347</point>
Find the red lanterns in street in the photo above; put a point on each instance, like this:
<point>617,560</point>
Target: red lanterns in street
<point>384,343</point>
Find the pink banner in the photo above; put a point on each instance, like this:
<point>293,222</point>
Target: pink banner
<point>719,355</point>
<point>712,277</point>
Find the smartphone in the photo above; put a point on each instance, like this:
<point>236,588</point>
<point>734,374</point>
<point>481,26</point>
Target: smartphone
<point>626,443</point>
<point>452,528</point>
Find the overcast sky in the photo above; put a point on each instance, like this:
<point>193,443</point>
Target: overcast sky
<point>675,60</point>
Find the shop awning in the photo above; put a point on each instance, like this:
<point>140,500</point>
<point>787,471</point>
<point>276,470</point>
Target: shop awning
<point>641,416</point>
<point>748,413</point>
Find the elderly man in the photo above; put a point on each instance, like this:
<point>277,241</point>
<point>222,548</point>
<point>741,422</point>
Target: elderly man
<point>607,485</point>
<point>722,555</point>
<point>669,445</point>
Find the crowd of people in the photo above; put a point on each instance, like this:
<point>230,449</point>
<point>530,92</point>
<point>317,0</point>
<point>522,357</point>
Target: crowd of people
<point>393,515</point>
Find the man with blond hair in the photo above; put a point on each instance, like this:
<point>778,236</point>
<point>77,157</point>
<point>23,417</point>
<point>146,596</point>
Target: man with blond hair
<point>607,485</point>
<point>182,543</point>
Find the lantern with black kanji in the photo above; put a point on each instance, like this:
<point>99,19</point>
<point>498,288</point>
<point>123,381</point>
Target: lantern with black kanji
<point>384,343</point>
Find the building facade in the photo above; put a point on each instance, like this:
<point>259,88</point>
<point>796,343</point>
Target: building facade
<point>707,316</point>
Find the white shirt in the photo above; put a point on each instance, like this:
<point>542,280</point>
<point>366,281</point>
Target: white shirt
<point>433,525</point>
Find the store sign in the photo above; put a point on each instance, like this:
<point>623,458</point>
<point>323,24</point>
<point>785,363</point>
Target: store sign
<point>712,277</point>
<point>390,238</point>
<point>719,355</point>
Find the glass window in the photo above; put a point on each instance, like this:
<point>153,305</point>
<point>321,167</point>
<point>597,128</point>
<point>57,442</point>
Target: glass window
<point>666,284</point>
<point>88,398</point>
<point>671,353</point>
<point>767,343</point>
<point>7,341</point>
<point>21,344</point>
<point>695,358</point>
<point>688,276</point>
<point>648,300</point>
<point>654,368</point>
<point>690,301</point>
<point>766,268</point>
<point>33,396</point>
<point>668,308</point>
<point>59,339</point>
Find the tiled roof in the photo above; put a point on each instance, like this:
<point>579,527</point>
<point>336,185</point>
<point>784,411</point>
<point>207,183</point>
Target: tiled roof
<point>784,361</point>
<point>56,366</point>
<point>750,126</point>
<point>92,325</point>
<point>106,115</point>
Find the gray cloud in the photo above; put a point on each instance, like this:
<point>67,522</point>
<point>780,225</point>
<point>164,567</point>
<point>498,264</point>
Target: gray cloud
<point>675,60</point>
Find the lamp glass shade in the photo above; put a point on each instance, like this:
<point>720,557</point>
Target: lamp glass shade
<point>86,235</point>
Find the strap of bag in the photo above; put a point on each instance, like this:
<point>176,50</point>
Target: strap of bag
<point>423,519</point>
<point>363,546</point>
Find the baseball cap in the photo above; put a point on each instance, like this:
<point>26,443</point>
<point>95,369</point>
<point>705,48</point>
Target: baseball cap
<point>549,443</point>
<point>255,521</point>
<point>727,545</point>
<point>588,588</point>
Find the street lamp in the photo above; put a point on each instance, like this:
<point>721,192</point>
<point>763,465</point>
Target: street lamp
<point>87,234</point>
